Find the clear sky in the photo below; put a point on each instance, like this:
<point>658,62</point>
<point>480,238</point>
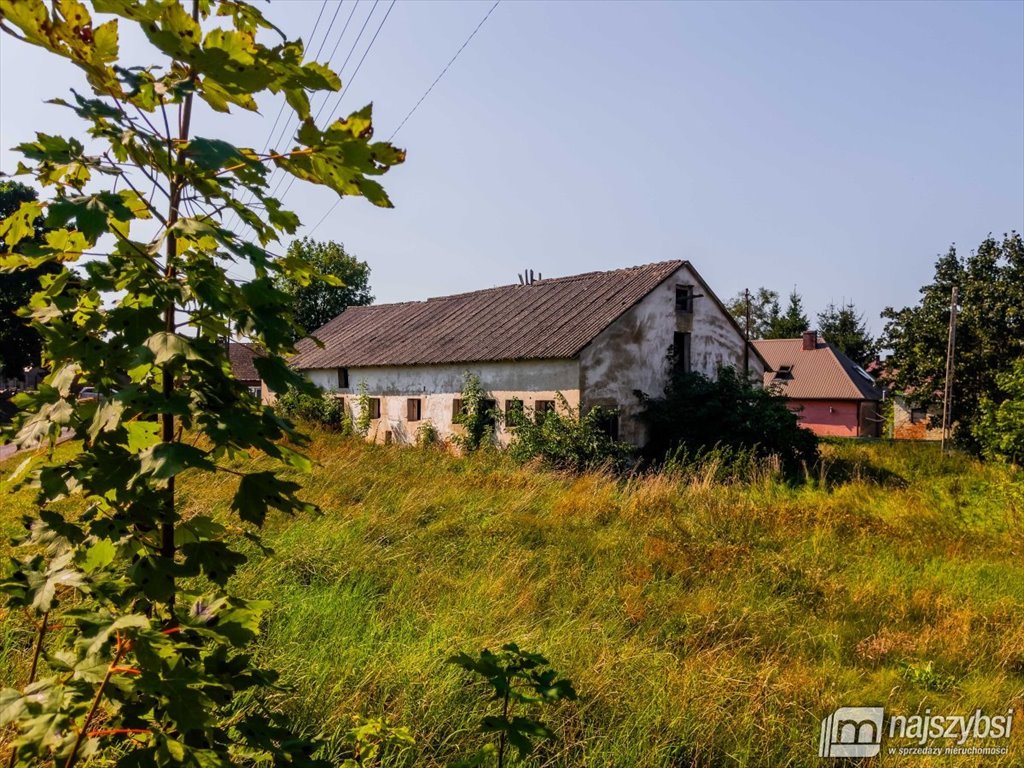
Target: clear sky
<point>833,146</point>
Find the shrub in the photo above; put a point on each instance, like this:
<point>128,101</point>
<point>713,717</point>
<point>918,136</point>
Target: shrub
<point>479,415</point>
<point>320,408</point>
<point>568,440</point>
<point>1000,430</point>
<point>696,415</point>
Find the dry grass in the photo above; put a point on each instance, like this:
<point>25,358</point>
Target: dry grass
<point>704,623</point>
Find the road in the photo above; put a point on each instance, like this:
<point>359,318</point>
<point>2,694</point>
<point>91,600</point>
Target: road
<point>6,451</point>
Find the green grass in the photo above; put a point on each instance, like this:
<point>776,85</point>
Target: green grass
<point>703,624</point>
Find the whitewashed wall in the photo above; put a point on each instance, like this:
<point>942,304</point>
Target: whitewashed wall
<point>438,385</point>
<point>631,353</point>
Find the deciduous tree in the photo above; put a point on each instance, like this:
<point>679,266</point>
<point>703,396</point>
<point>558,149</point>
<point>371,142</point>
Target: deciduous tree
<point>155,650</point>
<point>19,342</point>
<point>989,336</point>
<point>317,302</point>
<point>764,311</point>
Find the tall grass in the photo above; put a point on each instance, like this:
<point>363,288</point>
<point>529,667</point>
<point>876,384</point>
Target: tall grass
<point>706,619</point>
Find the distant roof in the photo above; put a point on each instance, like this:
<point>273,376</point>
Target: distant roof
<point>241,355</point>
<point>822,373</point>
<point>554,318</point>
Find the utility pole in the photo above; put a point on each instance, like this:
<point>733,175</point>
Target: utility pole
<point>746,336</point>
<point>947,398</point>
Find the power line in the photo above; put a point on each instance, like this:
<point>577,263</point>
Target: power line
<point>281,178</point>
<point>443,71</point>
<point>280,110</point>
<point>416,106</point>
<point>350,81</point>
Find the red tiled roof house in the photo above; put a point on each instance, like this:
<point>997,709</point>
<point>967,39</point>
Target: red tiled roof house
<point>831,394</point>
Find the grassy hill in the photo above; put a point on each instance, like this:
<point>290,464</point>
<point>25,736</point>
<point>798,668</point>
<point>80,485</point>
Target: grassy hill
<point>703,623</point>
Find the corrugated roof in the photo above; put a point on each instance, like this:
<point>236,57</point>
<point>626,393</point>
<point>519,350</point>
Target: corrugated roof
<point>241,355</point>
<point>553,318</point>
<point>822,373</point>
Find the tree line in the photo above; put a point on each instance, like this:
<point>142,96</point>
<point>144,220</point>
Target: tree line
<point>909,357</point>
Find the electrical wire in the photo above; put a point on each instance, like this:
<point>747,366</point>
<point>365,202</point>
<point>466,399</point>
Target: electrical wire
<point>351,80</point>
<point>366,21</point>
<point>443,71</point>
<point>416,106</point>
<point>280,110</point>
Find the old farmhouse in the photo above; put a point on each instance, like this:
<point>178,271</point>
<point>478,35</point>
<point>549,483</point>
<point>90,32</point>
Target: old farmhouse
<point>595,339</point>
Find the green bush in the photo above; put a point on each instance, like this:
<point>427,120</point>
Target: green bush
<point>697,415</point>
<point>567,440</point>
<point>479,415</point>
<point>321,409</point>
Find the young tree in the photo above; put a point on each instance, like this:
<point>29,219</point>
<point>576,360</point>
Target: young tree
<point>19,343</point>
<point>154,651</point>
<point>792,322</point>
<point>989,336</point>
<point>844,327</point>
<point>315,303</point>
<point>764,311</point>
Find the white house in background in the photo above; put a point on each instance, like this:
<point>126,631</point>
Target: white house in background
<point>595,338</point>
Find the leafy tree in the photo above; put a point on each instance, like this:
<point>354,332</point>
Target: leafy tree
<point>844,327</point>
<point>696,415</point>
<point>155,650</point>
<point>19,342</point>
<point>347,285</point>
<point>989,336</point>
<point>764,311</point>
<point>1000,429</point>
<point>791,323</point>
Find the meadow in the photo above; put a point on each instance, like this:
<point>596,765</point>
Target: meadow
<point>704,622</point>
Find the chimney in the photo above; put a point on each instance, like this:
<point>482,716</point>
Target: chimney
<point>810,340</point>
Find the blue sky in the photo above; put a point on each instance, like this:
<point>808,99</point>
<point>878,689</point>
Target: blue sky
<point>833,146</point>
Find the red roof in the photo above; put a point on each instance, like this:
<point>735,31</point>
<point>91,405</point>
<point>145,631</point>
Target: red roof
<point>822,373</point>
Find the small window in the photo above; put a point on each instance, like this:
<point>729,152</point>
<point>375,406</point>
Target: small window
<point>514,410</point>
<point>256,392</point>
<point>541,409</point>
<point>681,352</point>
<point>918,415</point>
<point>609,424</point>
<point>457,411</point>
<point>490,409</point>
<point>784,372</point>
<point>374,407</point>
<point>684,298</point>
<point>343,378</point>
<point>414,409</point>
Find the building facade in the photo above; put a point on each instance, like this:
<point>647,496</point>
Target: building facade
<point>574,342</point>
<point>831,395</point>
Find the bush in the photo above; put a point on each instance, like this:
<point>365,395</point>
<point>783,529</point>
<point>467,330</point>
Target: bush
<point>1000,430</point>
<point>697,415</point>
<point>479,415</point>
<point>321,409</point>
<point>568,440</point>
